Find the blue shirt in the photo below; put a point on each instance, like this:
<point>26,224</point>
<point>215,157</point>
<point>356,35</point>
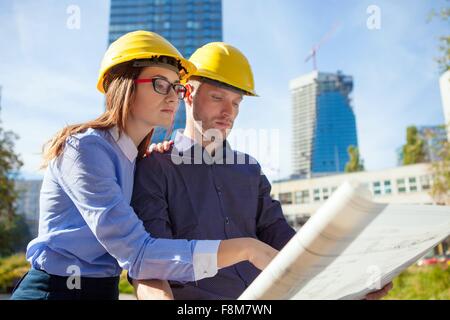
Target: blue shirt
<point>87,224</point>
<point>208,198</point>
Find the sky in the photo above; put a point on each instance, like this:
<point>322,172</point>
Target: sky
<point>48,68</point>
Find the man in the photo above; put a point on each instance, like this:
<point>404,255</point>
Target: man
<point>202,188</point>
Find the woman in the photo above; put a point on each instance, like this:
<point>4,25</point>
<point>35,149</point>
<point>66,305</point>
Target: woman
<point>88,232</point>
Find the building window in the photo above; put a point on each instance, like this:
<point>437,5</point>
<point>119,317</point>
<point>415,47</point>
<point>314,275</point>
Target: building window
<point>425,182</point>
<point>376,187</point>
<point>286,198</point>
<point>401,187</point>
<point>387,187</point>
<point>325,193</point>
<point>316,195</point>
<point>302,196</point>
<point>412,184</point>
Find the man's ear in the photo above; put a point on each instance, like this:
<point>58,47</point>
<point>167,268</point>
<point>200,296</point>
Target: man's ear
<point>189,94</point>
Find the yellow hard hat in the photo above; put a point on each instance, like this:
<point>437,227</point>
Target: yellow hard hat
<point>140,45</point>
<point>224,63</point>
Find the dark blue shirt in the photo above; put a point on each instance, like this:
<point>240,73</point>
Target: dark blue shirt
<point>185,193</point>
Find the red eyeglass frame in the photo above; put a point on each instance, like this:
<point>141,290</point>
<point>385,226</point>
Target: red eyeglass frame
<point>150,80</point>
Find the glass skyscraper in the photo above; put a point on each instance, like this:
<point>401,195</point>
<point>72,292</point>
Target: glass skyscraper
<point>187,24</point>
<point>324,123</point>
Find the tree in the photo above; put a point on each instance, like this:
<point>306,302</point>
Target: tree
<point>13,231</point>
<point>444,47</point>
<point>414,149</point>
<point>355,164</point>
<point>440,169</point>
<point>10,164</point>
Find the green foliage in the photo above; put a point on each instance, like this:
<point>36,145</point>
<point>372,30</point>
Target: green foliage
<point>355,164</point>
<point>11,270</point>
<point>9,166</point>
<point>440,189</point>
<point>441,169</point>
<point>422,283</point>
<point>14,235</point>
<point>444,47</point>
<point>13,230</point>
<point>414,149</point>
<point>124,285</point>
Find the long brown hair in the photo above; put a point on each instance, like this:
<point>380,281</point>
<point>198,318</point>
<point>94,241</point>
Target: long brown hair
<point>120,92</point>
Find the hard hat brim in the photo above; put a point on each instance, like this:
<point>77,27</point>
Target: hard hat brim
<point>186,64</point>
<point>209,75</point>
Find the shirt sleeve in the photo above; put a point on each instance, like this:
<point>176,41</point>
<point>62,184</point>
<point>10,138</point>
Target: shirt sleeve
<point>151,206</point>
<point>88,175</point>
<point>272,228</point>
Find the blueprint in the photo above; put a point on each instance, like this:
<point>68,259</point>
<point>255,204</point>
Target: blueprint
<point>350,247</point>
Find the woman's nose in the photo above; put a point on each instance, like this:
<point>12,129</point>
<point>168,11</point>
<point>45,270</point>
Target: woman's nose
<point>172,96</point>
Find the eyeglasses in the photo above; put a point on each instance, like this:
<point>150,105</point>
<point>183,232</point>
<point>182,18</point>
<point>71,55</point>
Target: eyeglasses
<point>163,86</point>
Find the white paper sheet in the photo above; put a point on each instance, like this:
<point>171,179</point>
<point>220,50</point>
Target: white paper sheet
<point>351,246</point>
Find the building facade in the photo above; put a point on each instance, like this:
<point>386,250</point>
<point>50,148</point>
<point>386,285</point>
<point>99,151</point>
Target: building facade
<point>300,198</point>
<point>324,124</point>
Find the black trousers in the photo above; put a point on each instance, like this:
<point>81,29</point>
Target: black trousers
<point>39,285</point>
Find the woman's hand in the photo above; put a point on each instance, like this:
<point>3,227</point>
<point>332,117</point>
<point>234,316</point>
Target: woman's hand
<point>160,147</point>
<point>260,254</point>
<point>233,251</point>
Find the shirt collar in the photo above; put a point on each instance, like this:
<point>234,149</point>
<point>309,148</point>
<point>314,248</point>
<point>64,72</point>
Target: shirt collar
<point>183,143</point>
<point>125,143</point>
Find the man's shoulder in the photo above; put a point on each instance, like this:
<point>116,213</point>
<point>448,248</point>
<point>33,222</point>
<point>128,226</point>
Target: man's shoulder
<point>158,159</point>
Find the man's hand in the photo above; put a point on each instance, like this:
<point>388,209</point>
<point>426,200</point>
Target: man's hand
<point>152,290</point>
<point>377,295</point>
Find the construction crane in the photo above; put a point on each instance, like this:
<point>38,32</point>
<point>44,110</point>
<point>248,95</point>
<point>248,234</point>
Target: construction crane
<point>313,52</point>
